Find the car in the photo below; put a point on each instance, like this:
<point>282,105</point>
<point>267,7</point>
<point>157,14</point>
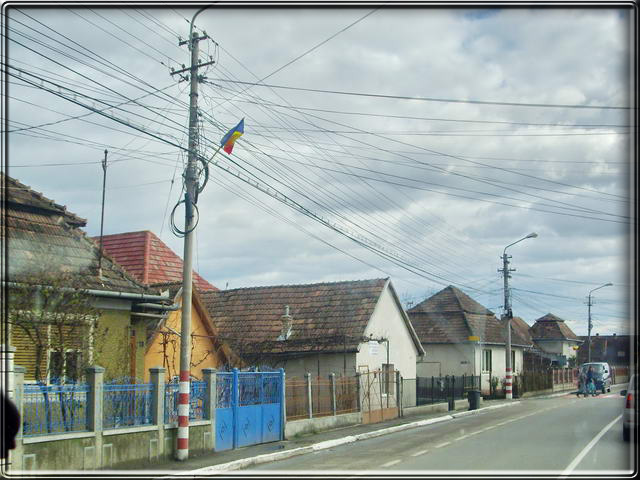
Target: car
<point>629,411</point>
<point>601,374</point>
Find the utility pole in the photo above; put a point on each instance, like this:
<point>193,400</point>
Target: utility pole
<point>508,314</point>
<point>590,325</point>
<point>104,185</point>
<point>190,198</point>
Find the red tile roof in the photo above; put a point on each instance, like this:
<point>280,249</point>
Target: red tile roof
<point>451,316</point>
<point>326,317</point>
<point>551,327</point>
<point>148,258</point>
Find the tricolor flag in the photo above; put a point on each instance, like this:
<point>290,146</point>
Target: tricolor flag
<point>230,138</point>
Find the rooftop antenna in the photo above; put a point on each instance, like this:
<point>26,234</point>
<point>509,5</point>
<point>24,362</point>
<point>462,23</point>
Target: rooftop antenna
<point>104,184</point>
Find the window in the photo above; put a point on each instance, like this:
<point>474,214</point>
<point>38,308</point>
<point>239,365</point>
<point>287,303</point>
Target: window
<point>67,366</point>
<point>486,360</point>
<point>387,378</point>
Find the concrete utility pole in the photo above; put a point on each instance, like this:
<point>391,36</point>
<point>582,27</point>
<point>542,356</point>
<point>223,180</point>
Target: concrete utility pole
<point>190,198</point>
<point>104,187</point>
<point>508,314</point>
<point>590,325</point>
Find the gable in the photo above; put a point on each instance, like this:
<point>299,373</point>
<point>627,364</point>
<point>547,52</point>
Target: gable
<point>148,258</point>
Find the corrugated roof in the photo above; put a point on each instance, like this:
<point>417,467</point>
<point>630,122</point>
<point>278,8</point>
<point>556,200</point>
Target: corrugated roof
<point>451,316</point>
<point>551,327</point>
<point>44,240</point>
<point>325,316</point>
<point>149,259</point>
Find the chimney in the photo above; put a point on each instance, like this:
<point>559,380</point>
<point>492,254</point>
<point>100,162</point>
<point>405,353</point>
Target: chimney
<point>287,322</point>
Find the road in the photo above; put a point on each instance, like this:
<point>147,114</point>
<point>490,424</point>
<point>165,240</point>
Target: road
<point>560,435</point>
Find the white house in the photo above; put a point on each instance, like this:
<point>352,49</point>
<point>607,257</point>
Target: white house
<point>553,336</point>
<point>461,337</point>
<point>339,327</point>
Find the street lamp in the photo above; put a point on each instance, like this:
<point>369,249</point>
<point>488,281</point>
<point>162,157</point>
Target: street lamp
<point>589,325</point>
<point>508,313</point>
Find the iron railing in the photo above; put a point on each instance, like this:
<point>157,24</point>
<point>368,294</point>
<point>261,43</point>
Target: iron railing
<point>197,399</point>
<point>127,405</point>
<point>441,389</point>
<point>52,409</point>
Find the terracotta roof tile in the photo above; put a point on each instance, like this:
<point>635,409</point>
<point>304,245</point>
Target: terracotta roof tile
<point>550,327</point>
<point>451,316</point>
<point>149,259</point>
<point>41,233</point>
<point>338,312</point>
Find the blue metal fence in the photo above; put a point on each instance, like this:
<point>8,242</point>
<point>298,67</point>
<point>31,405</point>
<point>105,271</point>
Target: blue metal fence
<point>53,409</point>
<point>127,405</point>
<point>197,399</point>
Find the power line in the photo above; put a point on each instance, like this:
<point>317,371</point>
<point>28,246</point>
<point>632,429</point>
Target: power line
<point>423,99</point>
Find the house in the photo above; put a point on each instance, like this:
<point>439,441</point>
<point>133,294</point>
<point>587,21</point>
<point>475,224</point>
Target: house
<point>461,337</point>
<point>163,339</point>
<point>143,255</point>
<point>68,306</point>
<point>553,336</point>
<point>613,349</point>
<point>340,327</point>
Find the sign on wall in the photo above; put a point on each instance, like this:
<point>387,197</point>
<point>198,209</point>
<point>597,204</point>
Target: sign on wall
<point>373,347</point>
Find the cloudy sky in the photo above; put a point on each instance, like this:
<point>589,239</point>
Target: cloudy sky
<point>414,143</point>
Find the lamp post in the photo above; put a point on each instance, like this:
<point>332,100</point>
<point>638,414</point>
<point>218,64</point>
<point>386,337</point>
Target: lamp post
<point>590,325</point>
<point>508,313</point>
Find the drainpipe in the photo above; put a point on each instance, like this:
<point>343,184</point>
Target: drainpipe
<point>100,293</point>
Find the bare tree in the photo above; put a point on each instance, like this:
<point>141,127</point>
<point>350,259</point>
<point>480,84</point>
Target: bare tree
<point>58,324</point>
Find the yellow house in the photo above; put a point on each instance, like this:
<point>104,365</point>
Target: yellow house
<point>163,339</point>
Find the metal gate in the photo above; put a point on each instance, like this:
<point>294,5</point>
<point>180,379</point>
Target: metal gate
<point>249,408</point>
<point>378,399</point>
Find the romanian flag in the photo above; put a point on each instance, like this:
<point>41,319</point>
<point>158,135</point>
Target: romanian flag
<point>230,138</point>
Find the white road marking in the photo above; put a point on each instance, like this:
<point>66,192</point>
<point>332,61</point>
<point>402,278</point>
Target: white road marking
<point>421,452</point>
<point>392,462</point>
<point>586,449</point>
<point>443,445</point>
<point>462,437</point>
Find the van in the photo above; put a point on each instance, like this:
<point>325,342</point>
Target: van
<point>601,374</point>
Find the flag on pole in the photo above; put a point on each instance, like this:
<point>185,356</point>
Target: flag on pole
<point>230,138</point>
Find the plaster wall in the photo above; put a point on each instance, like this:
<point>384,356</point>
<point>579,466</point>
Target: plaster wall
<point>387,321</point>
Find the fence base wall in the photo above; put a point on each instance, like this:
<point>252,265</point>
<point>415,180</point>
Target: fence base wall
<point>119,450</point>
<point>422,409</point>
<point>319,424</point>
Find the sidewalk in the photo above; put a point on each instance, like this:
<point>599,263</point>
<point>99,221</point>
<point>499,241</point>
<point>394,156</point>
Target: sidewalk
<point>302,444</point>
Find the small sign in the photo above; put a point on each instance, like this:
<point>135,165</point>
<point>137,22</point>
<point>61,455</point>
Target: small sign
<point>473,338</point>
<point>373,347</point>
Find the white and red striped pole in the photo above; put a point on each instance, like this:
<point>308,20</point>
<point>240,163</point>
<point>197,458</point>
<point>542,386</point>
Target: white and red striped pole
<point>183,415</point>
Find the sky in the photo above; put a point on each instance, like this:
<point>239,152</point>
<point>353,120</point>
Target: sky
<point>410,143</point>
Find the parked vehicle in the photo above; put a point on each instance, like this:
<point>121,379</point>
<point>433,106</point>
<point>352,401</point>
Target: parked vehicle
<point>629,412</point>
<point>601,375</point>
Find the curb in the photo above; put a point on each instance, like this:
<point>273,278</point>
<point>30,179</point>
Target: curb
<point>270,457</point>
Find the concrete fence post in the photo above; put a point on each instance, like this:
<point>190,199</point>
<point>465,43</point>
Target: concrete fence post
<point>7,354</point>
<point>95,380</point>
<point>157,401</point>
<point>283,400</point>
<point>332,380</point>
<point>210,376</point>
<point>307,377</point>
<point>14,462</point>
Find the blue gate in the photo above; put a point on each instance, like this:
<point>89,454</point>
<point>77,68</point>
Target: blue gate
<point>249,408</point>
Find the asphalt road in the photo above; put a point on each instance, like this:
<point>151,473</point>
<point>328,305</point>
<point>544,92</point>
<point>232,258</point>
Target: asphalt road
<point>562,435</point>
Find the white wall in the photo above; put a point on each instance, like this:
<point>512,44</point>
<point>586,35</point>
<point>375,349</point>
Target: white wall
<point>447,359</point>
<point>559,347</point>
<point>387,321</point>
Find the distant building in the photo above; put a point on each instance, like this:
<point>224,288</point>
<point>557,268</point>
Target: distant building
<point>613,349</point>
<point>554,337</point>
